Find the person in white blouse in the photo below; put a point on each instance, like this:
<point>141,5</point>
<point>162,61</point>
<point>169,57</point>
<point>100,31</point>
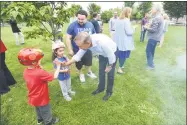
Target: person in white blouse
<point>123,37</point>
<point>106,48</point>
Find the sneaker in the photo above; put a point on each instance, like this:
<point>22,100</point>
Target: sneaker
<point>22,43</point>
<point>55,120</point>
<point>82,78</point>
<point>67,98</point>
<point>150,68</point>
<point>91,75</point>
<point>120,71</point>
<point>72,92</point>
<point>40,121</point>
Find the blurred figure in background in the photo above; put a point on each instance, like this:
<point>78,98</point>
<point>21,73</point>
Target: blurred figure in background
<point>112,23</point>
<point>16,31</point>
<point>95,23</point>
<point>143,30</point>
<point>165,28</point>
<point>100,22</point>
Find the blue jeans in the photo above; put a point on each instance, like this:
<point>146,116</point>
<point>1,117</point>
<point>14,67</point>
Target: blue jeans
<point>150,51</point>
<point>103,61</point>
<point>142,36</point>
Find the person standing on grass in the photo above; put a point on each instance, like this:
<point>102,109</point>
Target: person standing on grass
<point>123,37</point>
<point>37,83</point>
<point>5,75</point>
<point>106,48</point>
<point>95,23</point>
<point>143,30</point>
<point>155,32</point>
<point>74,28</point>
<point>165,29</point>
<point>64,75</point>
<point>17,32</point>
<point>100,23</point>
<point>112,23</point>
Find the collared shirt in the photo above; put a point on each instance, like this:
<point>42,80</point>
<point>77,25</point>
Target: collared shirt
<point>112,24</point>
<point>101,45</point>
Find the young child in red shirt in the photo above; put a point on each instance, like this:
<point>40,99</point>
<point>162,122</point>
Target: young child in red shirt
<point>36,79</point>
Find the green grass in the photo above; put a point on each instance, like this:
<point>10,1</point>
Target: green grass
<point>140,97</point>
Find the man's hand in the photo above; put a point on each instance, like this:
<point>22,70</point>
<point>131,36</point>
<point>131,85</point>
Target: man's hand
<point>71,53</point>
<point>108,68</point>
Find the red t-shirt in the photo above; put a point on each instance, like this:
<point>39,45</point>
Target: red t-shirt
<point>37,80</point>
<point>2,47</point>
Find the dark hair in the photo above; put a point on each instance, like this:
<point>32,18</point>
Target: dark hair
<point>82,12</point>
<point>54,56</point>
<point>94,15</point>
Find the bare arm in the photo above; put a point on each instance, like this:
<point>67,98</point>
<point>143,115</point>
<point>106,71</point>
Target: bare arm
<point>57,71</point>
<point>68,43</point>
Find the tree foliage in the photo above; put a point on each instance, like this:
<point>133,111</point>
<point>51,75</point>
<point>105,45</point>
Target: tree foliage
<point>106,15</point>
<point>92,7</point>
<point>175,9</point>
<point>129,3</point>
<point>144,7</point>
<point>74,9</point>
<point>45,17</point>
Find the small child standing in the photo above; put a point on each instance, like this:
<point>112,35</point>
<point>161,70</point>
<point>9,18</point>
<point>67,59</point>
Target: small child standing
<point>64,75</point>
<point>36,79</point>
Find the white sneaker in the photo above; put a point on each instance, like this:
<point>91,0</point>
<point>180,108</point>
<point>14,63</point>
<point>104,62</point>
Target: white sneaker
<point>120,71</point>
<point>82,78</point>
<point>72,92</point>
<point>67,98</point>
<point>91,75</point>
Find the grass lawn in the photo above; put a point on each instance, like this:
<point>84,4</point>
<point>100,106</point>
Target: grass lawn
<point>140,97</point>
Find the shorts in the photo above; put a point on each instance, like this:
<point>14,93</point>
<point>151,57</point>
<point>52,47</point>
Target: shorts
<point>86,60</point>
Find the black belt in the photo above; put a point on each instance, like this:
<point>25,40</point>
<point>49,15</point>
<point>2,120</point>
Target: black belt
<point>113,30</point>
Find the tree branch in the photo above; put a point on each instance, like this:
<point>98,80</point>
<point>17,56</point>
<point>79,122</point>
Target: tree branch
<point>45,27</point>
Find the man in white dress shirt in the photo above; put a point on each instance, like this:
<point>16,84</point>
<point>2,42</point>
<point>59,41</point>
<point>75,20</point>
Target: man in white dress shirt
<point>106,48</point>
<point>112,24</point>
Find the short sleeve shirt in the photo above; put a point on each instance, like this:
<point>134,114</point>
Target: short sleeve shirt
<point>36,80</point>
<point>74,28</point>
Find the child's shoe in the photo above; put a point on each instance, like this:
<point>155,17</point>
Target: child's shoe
<point>67,98</point>
<point>40,121</point>
<point>72,93</point>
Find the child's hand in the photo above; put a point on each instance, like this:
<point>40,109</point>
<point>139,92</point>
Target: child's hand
<point>57,62</point>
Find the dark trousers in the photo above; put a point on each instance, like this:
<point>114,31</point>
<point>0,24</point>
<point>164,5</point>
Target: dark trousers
<point>150,51</point>
<point>44,114</point>
<point>142,36</point>
<point>103,62</point>
<point>5,76</point>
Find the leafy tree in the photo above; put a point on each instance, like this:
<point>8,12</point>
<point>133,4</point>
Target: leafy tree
<point>45,17</point>
<point>144,7</point>
<point>175,9</point>
<point>106,15</point>
<point>92,7</point>
<point>129,4</point>
<point>74,9</point>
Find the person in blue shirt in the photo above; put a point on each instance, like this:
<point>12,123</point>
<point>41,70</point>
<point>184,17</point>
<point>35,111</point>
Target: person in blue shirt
<point>74,28</point>
<point>95,23</point>
<point>64,74</point>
